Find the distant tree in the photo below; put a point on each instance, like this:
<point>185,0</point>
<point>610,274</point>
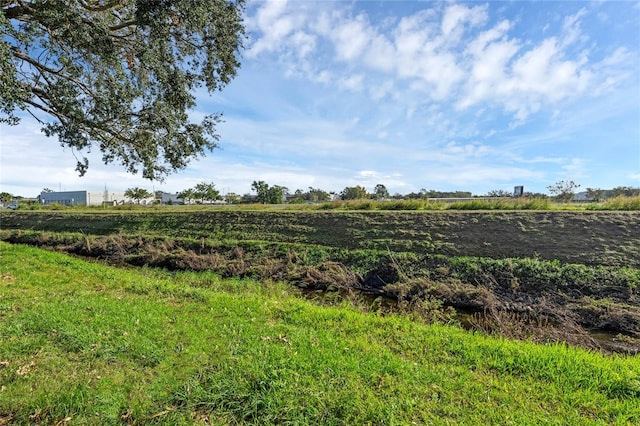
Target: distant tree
<point>353,193</point>
<point>269,194</point>
<point>137,194</point>
<point>380,192</point>
<point>262,191</point>
<point>499,193</point>
<point>206,192</point>
<point>202,192</point>
<point>313,195</point>
<point>298,197</point>
<point>187,195</point>
<point>317,195</point>
<point>5,197</point>
<point>563,190</point>
<point>276,193</point>
<point>412,195</point>
<point>626,191</point>
<point>595,194</point>
<point>445,194</point>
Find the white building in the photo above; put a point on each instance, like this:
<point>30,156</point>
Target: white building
<point>168,198</point>
<point>87,198</point>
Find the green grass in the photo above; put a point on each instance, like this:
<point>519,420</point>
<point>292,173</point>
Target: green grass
<point>100,345</point>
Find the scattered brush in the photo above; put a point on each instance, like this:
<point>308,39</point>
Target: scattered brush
<point>531,326</point>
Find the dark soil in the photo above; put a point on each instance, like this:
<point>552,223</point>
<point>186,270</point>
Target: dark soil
<point>585,237</point>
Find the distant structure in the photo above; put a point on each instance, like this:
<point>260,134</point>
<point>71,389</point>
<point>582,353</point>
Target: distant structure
<point>168,198</point>
<point>87,198</point>
<point>518,191</point>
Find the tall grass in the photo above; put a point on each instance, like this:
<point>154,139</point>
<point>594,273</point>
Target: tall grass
<point>479,204</point>
<point>618,203</point>
<point>502,204</point>
<point>82,343</point>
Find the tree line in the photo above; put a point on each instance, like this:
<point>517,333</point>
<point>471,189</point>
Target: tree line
<point>264,193</point>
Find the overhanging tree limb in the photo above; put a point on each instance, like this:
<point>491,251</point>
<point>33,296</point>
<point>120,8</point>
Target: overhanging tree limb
<point>119,75</point>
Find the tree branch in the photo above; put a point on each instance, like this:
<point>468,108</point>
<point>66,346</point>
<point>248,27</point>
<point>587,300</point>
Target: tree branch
<point>21,55</point>
<point>41,108</point>
<point>123,25</point>
<point>20,8</point>
<point>85,5</point>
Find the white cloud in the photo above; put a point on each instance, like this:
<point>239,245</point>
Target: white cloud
<point>367,173</point>
<point>421,58</point>
<point>351,38</point>
<point>469,175</point>
<point>352,83</point>
<point>491,53</point>
<point>522,81</point>
<point>382,90</point>
<point>304,43</point>
<point>32,161</point>
<point>441,53</point>
<point>370,178</point>
<point>571,28</point>
<point>275,25</point>
<point>381,54</point>
<point>456,16</point>
<point>574,169</point>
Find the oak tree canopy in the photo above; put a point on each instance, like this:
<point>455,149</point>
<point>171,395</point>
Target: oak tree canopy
<point>119,75</point>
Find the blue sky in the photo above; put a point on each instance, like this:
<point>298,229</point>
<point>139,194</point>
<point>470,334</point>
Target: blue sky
<point>469,96</point>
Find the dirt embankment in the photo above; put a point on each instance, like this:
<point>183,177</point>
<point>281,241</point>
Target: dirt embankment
<point>561,272</point>
<point>591,238</point>
<point>516,296</point>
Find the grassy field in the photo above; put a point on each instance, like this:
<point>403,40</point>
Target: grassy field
<point>84,343</point>
<point>593,238</point>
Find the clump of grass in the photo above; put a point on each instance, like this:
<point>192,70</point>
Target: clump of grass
<point>402,205</point>
<point>618,203</point>
<point>359,205</point>
<point>332,205</point>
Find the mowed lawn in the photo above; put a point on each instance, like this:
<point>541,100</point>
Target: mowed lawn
<point>85,343</point>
